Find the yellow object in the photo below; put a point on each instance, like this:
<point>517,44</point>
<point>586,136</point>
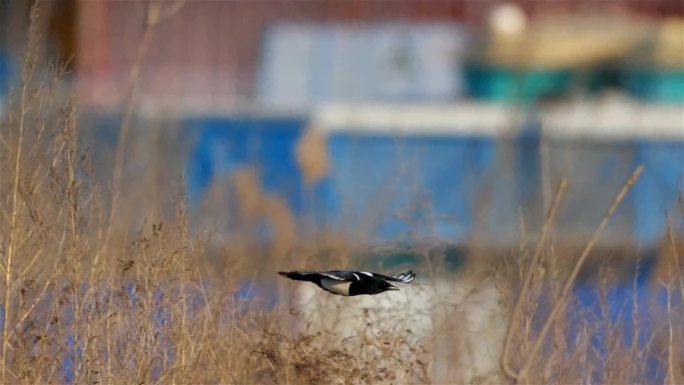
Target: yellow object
<point>669,46</point>
<point>563,41</point>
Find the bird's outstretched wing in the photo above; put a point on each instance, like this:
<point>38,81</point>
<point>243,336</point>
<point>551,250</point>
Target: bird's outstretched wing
<point>342,275</point>
<point>306,275</point>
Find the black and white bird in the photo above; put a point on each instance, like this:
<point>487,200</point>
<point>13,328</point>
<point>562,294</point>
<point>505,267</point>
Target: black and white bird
<point>348,283</point>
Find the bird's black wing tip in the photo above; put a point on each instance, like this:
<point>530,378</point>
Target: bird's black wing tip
<point>283,273</point>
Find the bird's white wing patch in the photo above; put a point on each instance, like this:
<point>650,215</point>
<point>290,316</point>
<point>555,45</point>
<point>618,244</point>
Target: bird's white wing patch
<point>332,276</point>
<point>356,276</point>
<point>336,286</point>
<point>366,273</point>
<point>405,277</point>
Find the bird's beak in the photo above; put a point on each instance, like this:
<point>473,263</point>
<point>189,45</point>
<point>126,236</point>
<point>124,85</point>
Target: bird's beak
<point>391,287</point>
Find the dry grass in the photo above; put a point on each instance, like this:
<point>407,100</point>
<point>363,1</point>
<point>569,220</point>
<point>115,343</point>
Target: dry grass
<point>87,300</point>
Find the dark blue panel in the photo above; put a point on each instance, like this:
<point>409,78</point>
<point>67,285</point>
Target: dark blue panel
<point>528,173</point>
<point>596,171</point>
<point>395,187</point>
<point>6,73</point>
<point>657,189</point>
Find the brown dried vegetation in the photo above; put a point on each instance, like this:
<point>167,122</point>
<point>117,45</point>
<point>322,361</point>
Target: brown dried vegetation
<point>86,300</point>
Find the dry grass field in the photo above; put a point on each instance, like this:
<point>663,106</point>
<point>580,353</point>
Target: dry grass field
<point>103,282</point>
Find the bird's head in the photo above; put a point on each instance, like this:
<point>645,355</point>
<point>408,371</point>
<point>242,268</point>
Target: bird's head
<point>380,286</point>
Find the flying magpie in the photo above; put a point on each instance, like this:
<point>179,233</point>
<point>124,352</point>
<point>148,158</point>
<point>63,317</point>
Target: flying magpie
<point>348,283</point>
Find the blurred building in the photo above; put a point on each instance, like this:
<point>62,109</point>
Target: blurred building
<point>211,53</point>
<point>455,115</point>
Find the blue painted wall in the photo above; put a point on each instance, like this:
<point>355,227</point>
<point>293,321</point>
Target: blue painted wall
<point>224,145</point>
<point>6,66</point>
<point>408,187</point>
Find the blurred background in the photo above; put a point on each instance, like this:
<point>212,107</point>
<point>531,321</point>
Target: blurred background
<point>389,120</point>
<point>415,133</point>
<point>405,121</point>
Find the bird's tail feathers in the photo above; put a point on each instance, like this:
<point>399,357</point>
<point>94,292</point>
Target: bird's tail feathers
<point>298,275</point>
<point>405,277</point>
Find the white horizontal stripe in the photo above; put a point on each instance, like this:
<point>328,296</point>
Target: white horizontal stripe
<point>331,276</point>
<point>484,119</point>
<point>616,119</point>
<point>611,118</point>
